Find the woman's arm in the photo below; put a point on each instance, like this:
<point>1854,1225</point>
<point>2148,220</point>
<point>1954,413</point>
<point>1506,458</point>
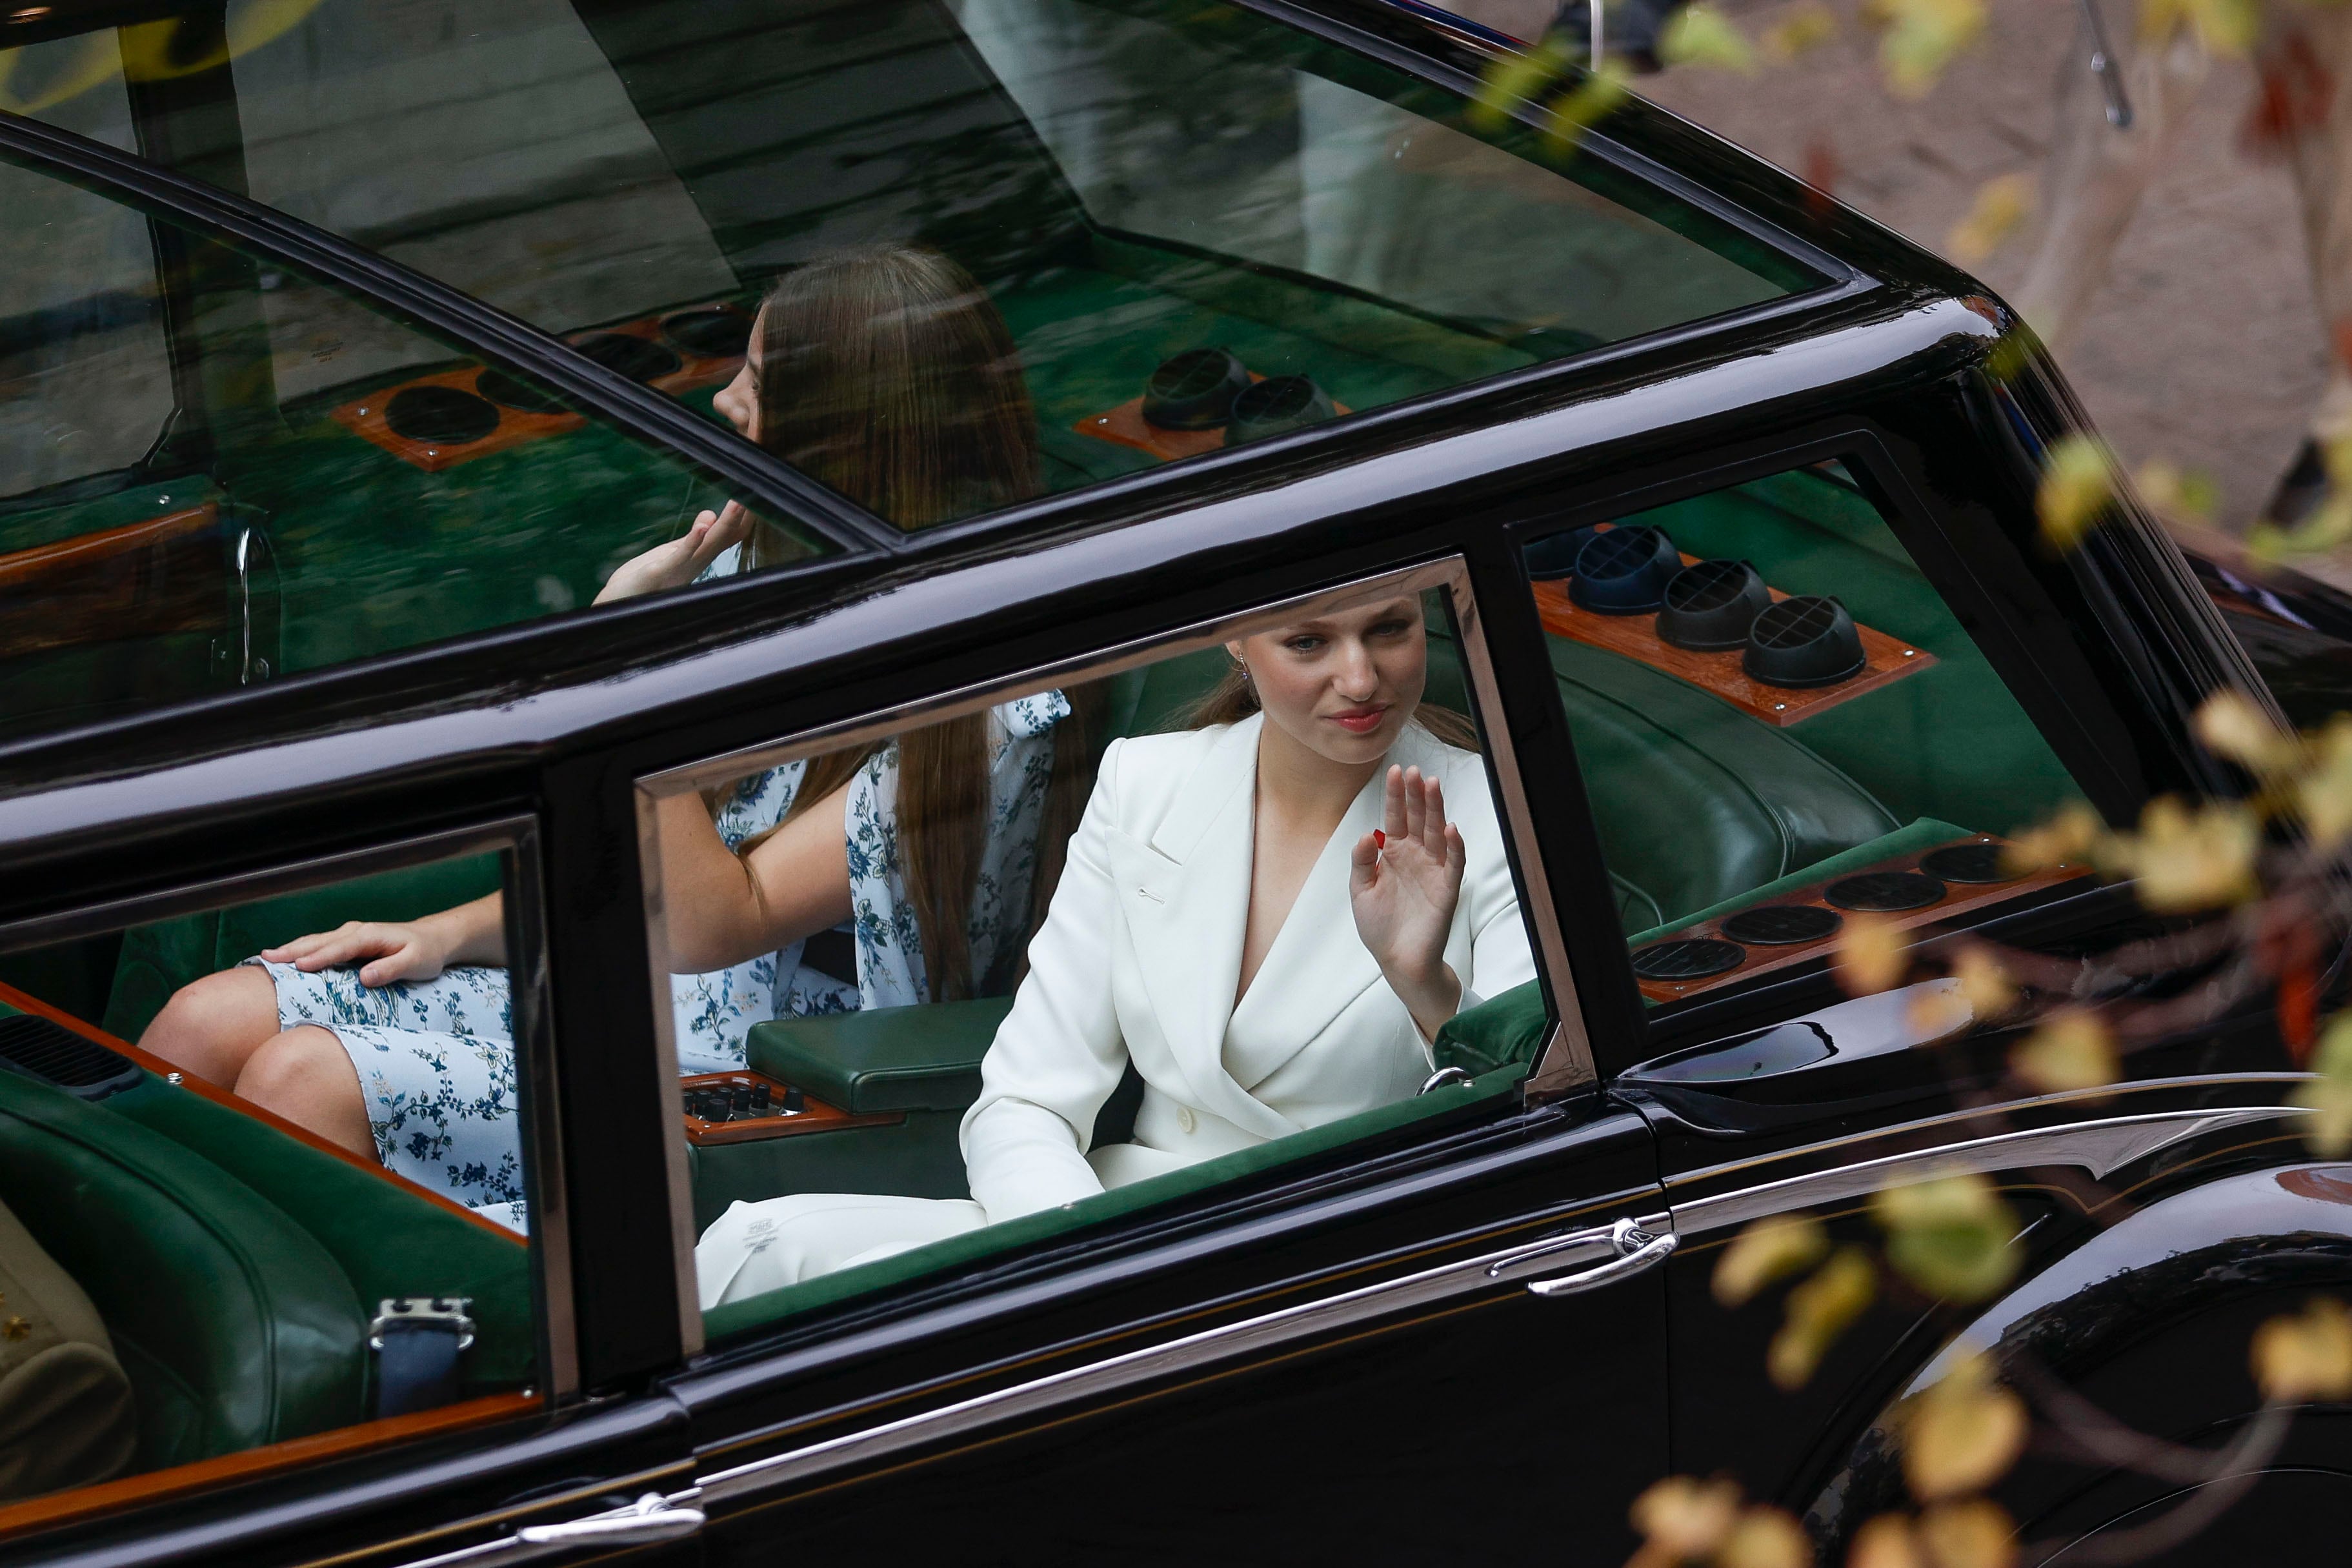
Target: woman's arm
<point>472,932</point>
<point>719,908</point>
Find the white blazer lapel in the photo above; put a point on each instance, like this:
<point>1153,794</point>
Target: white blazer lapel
<point>1186,897</point>
<point>1318,965</point>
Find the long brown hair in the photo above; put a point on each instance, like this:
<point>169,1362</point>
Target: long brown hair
<point>888,373</point>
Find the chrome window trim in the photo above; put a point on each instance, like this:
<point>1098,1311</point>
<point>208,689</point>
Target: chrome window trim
<point>2097,1147</point>
<point>1566,1059</point>
<point>515,839</point>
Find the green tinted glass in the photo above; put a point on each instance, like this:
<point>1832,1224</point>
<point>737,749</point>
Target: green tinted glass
<point>299,481</point>
<point>1107,185</point>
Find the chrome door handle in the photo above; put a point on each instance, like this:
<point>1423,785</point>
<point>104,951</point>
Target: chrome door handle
<point>1635,1249</point>
<point>652,1516</point>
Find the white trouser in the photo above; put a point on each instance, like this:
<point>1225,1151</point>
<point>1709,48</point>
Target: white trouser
<point>756,1247</point>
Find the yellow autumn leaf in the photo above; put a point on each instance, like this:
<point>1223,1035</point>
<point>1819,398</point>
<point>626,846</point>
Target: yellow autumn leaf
<point>2234,726</point>
<point>1870,956</point>
<point>2323,794</point>
<point>2189,494</point>
<point>1886,1541</point>
<point>1600,92</point>
<point>1765,1538</point>
<point>1515,80</point>
<point>2002,204</point>
<point>1976,1533</point>
<point>1818,1312</point>
<point>2077,487</point>
<point>2221,27</point>
<point>1937,1011</point>
<point>1985,985</point>
<point>1948,1234</point>
<point>1699,35</point>
<point>1921,37</point>
<point>1767,1250</point>
<point>1802,28</point>
<point>2186,859</point>
<point>2072,1049</point>
<point>2306,1355</point>
<point>1683,1517</point>
<point>2071,838</point>
<point>2329,1096</point>
<point>1963,1433</point>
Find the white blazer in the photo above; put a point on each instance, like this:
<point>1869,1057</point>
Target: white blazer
<point>1141,950</point>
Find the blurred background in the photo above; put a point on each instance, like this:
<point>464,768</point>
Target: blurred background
<point>2199,343</point>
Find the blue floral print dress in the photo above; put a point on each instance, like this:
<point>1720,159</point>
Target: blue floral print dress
<point>435,1058</point>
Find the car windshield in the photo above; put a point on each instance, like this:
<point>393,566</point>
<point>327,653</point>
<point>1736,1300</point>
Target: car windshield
<point>1128,232</point>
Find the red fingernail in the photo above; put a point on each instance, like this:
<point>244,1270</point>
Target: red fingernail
<point>1380,839</point>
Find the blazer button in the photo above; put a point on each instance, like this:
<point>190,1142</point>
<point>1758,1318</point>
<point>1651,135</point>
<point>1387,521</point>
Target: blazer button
<point>1185,1117</point>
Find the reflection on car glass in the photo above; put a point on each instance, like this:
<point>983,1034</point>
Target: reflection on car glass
<point>1131,182</point>
<point>1781,726</point>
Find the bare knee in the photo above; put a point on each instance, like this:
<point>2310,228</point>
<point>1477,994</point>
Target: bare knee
<point>212,1026</point>
<point>305,1076</point>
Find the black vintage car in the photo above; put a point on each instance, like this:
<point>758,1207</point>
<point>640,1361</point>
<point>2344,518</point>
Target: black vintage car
<point>350,348</point>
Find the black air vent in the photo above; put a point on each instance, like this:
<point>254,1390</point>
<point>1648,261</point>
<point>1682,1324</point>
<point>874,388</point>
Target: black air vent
<point>1973,863</point>
<point>1692,958</point>
<point>57,1056</point>
<point>1884,893</point>
<point>1782,925</point>
<point>442,416</point>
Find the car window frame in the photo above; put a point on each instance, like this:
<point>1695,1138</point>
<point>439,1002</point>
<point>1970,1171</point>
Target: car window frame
<point>517,839</point>
<point>1562,1064</point>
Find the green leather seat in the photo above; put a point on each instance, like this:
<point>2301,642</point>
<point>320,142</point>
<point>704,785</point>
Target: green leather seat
<point>235,1327</point>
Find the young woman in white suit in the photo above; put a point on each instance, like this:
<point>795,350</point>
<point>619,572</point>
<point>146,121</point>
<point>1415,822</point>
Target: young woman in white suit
<point>1270,915</point>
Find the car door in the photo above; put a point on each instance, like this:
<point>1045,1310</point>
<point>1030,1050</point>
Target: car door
<point>1438,1314</point>
<point>1838,721</point>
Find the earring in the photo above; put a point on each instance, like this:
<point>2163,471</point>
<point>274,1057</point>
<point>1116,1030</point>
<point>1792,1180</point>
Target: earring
<point>1242,665</point>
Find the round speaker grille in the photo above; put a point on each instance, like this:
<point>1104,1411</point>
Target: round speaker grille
<point>1624,570</point>
<point>1277,403</point>
<point>1692,958</point>
<point>513,392</point>
<point>712,331</point>
<point>639,359</point>
<point>1804,641</point>
<point>1553,556</point>
<point>1193,390</point>
<point>1780,925</point>
<point>1884,893</point>
<point>1968,863</point>
<point>1709,605</point>
<point>442,416</point>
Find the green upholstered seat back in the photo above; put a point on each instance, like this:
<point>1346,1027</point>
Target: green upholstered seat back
<point>235,1327</point>
<point>159,959</point>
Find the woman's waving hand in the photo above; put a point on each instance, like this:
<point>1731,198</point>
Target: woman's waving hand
<point>1403,882</point>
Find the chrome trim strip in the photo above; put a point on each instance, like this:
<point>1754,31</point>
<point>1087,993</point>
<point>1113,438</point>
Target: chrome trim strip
<point>1204,1348</point>
<point>2097,1147</point>
<point>2006,1108</point>
<point>1566,1059</point>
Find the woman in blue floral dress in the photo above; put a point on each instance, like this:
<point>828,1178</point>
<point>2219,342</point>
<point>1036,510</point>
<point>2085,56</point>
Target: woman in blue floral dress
<point>907,873</point>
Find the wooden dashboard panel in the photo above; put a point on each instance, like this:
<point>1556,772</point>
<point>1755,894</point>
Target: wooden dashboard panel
<point>818,1116</point>
<point>1125,426</point>
<point>1960,899</point>
<point>1888,659</point>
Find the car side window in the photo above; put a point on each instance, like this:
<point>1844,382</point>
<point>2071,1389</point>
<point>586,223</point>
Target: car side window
<point>325,483</point>
<point>242,1214</point>
<point>1782,727</point>
<point>942,986</point>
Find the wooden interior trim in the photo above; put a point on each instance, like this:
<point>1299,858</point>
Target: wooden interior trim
<point>818,1116</point>
<point>193,1085</point>
<point>130,1491</point>
<point>1886,659</point>
<point>1125,426</point>
<point>21,568</point>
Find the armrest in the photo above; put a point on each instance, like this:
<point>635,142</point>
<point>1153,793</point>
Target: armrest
<point>889,1058</point>
<point>1502,1031</point>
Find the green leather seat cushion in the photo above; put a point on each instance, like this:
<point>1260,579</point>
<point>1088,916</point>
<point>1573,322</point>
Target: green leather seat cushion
<point>888,1060</point>
<point>235,1325</point>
